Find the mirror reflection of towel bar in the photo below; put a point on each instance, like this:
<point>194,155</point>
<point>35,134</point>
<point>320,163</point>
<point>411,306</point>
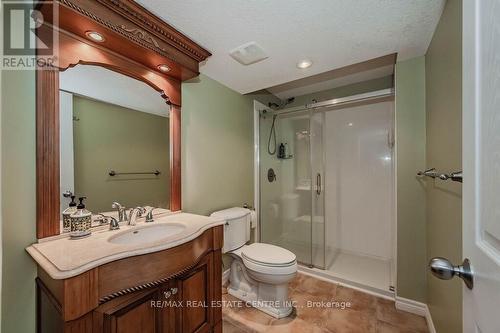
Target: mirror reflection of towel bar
<point>455,176</point>
<point>113,173</point>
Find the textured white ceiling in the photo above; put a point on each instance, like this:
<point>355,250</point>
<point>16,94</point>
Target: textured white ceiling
<point>332,33</point>
<point>107,86</point>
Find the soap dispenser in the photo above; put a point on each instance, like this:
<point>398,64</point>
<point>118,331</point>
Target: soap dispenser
<point>66,215</point>
<point>81,221</point>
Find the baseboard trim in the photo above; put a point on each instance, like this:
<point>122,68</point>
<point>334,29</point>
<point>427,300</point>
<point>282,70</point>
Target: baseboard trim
<point>225,277</point>
<point>418,308</point>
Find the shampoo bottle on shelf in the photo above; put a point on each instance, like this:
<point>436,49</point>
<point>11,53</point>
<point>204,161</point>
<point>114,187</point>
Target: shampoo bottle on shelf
<point>281,151</point>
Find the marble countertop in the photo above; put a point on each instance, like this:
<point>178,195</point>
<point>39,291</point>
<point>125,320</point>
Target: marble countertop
<point>62,257</point>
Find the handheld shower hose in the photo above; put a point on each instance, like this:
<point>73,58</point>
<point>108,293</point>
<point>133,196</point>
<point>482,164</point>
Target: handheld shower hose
<point>272,134</point>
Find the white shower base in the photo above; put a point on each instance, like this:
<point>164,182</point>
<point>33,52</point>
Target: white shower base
<point>329,276</point>
<point>370,274</point>
<point>370,271</point>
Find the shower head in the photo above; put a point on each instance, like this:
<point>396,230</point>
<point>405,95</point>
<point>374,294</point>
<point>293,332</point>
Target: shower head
<point>282,104</point>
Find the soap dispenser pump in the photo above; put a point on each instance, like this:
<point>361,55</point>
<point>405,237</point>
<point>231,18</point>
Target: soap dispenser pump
<point>81,220</point>
<point>66,214</point>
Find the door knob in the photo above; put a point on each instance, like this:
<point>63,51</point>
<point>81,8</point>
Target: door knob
<point>443,269</point>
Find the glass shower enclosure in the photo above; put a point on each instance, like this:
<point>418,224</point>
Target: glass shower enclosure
<point>326,186</point>
<point>291,190</point>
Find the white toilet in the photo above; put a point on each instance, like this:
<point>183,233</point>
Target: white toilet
<point>259,272</point>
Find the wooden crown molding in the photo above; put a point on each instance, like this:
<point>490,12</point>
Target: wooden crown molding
<point>125,23</point>
<point>149,29</point>
<point>147,22</point>
<point>156,26</point>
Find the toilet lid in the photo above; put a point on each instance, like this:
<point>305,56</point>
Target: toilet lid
<point>269,255</point>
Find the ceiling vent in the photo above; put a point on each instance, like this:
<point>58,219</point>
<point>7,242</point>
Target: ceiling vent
<point>248,53</point>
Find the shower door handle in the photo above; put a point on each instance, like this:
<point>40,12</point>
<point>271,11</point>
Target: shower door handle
<point>318,184</point>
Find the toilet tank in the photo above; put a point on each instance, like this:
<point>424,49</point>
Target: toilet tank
<point>236,228</point>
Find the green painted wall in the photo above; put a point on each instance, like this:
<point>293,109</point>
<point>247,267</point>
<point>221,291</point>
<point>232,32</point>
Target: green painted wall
<point>443,69</point>
<point>410,192</point>
<point>113,137</point>
<point>18,201</point>
<point>352,89</point>
<point>217,146</point>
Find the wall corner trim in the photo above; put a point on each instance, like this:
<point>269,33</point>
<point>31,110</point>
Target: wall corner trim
<point>418,308</point>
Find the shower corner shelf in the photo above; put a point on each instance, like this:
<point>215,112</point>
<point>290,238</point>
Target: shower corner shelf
<point>303,188</point>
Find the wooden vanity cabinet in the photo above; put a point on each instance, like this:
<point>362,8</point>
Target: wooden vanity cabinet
<point>188,300</point>
<point>130,313</point>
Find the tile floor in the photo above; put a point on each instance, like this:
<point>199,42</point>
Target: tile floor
<point>366,313</point>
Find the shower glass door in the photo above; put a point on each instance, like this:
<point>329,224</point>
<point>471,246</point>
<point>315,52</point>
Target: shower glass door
<point>291,192</point>
<point>318,190</point>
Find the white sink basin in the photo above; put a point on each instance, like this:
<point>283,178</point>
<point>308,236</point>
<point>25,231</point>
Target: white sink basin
<point>147,234</point>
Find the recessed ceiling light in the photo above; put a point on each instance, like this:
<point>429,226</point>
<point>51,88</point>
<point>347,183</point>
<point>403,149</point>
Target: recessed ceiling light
<point>164,68</point>
<point>305,63</point>
<point>95,36</point>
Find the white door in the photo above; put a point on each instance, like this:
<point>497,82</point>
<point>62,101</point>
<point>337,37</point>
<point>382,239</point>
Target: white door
<point>481,163</point>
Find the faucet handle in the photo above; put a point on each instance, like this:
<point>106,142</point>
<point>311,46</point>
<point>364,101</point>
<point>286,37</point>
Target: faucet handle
<point>149,215</point>
<point>104,219</point>
<point>113,223</point>
<point>101,219</point>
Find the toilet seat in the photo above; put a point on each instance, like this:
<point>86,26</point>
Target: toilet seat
<point>267,254</point>
<point>268,259</point>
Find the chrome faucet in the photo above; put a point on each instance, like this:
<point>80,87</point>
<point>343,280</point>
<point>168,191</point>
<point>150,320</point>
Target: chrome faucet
<point>134,214</point>
<point>122,211</point>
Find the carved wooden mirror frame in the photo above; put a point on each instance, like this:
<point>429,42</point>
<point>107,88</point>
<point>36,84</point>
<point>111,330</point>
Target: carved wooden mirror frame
<point>135,43</point>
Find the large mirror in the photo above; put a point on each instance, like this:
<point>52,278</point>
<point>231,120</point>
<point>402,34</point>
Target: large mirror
<point>114,140</point>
